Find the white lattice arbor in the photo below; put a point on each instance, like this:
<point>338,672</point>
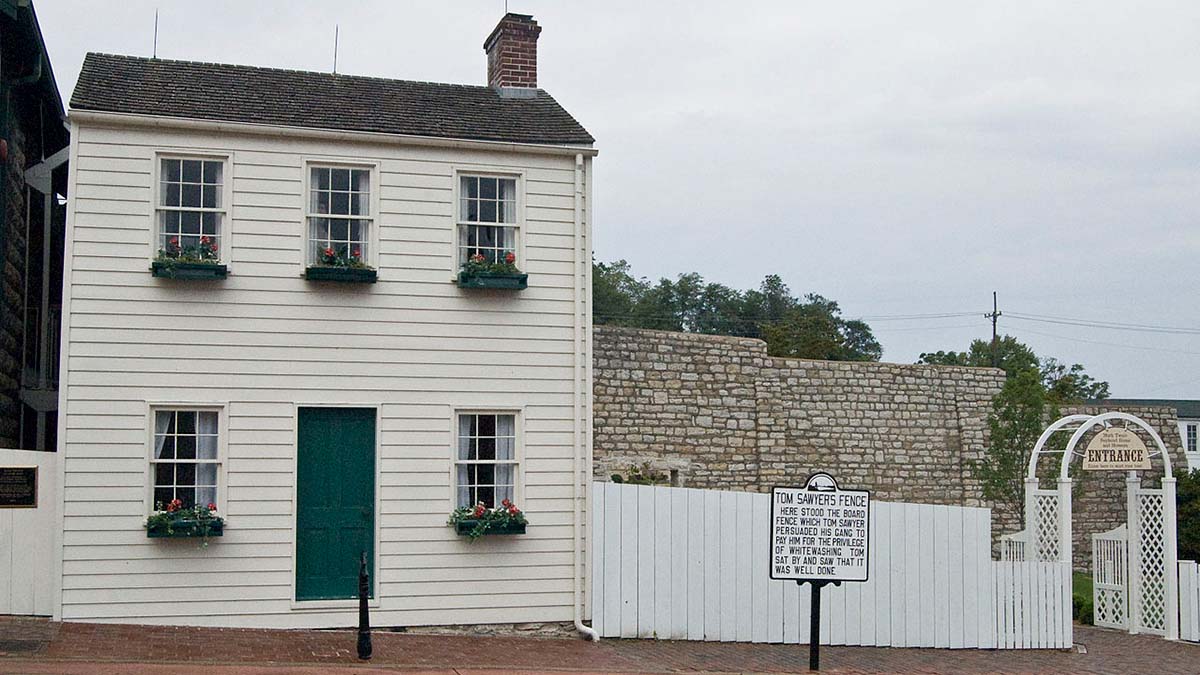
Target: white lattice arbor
<point>1141,556</point>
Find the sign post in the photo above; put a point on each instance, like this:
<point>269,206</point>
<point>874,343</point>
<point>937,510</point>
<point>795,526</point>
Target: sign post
<point>819,535</point>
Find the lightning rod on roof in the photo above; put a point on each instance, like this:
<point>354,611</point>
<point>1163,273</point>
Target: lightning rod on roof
<point>154,54</point>
<point>335,47</point>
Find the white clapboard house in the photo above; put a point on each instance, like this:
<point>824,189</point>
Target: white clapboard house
<point>336,308</point>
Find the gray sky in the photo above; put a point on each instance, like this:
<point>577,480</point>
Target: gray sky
<point>899,157</point>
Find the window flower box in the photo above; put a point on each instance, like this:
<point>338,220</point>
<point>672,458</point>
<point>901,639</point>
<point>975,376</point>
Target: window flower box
<point>351,275</point>
<point>477,521</point>
<point>178,522</point>
<point>479,272</point>
<point>493,280</point>
<point>465,528</point>
<point>187,527</point>
<point>342,265</point>
<point>197,262</point>
<point>188,270</point>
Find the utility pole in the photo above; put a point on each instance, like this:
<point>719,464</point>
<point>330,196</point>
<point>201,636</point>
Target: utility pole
<point>996,314</point>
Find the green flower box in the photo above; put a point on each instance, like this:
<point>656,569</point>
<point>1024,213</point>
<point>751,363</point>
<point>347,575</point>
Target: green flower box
<point>186,527</point>
<point>464,528</point>
<point>493,280</point>
<point>188,270</point>
<point>351,275</point>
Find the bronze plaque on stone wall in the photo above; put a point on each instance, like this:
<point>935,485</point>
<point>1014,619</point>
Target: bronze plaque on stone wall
<point>18,487</point>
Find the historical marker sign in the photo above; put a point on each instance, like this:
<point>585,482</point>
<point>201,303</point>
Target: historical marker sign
<point>819,531</point>
<point>1116,449</point>
<point>18,487</point>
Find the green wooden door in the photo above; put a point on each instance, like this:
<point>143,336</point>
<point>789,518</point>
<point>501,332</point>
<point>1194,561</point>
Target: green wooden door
<point>335,494</point>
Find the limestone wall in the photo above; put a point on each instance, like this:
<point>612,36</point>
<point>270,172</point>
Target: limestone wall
<point>717,412</point>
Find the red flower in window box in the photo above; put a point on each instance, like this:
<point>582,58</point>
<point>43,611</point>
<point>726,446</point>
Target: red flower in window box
<point>476,521</point>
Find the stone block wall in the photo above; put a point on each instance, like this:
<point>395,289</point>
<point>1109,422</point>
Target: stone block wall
<point>718,412</point>
<point>12,289</point>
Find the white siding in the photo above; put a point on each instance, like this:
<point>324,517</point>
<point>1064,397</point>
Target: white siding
<point>264,340</point>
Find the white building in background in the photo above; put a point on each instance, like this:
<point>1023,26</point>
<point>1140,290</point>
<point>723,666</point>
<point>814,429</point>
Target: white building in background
<point>266,308</point>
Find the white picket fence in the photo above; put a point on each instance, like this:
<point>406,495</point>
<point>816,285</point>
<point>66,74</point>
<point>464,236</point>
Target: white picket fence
<point>687,564</point>
<point>27,541</point>
<point>1189,601</point>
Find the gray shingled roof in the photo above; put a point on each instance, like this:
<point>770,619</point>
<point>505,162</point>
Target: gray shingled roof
<point>229,93</point>
<point>1186,409</point>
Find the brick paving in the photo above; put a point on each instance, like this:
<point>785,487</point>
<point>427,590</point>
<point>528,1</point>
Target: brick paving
<point>41,647</point>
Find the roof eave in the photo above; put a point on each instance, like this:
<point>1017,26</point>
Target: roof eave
<point>163,121</point>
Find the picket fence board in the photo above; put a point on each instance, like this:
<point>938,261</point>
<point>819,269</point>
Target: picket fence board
<point>681,563</point>
<point>1189,601</point>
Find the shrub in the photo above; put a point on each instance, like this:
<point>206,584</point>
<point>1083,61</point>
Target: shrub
<point>1187,500</point>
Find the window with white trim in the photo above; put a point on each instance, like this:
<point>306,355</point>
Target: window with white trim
<point>487,218</point>
<point>486,462</point>
<point>1191,430</point>
<point>339,216</point>
<point>185,457</point>
<point>190,208</point>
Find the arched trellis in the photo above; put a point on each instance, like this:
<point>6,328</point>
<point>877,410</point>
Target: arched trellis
<point>1150,543</point>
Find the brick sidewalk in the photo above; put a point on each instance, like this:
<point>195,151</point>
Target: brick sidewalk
<point>38,646</point>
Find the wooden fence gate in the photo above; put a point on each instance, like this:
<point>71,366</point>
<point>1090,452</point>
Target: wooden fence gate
<point>27,541</point>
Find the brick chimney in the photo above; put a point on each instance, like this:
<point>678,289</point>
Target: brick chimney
<point>512,52</point>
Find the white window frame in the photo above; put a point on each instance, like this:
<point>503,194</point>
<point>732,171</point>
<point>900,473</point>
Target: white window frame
<point>518,460</point>
<point>373,227</point>
<point>1192,428</point>
<point>519,225</point>
<point>225,229</point>
<point>222,410</point>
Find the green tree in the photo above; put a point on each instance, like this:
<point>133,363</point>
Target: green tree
<point>1064,384</point>
<point>1015,422</point>
<point>614,293</point>
<point>1187,501</point>
<point>1070,384</point>
<point>815,329</point>
<point>1012,356</point>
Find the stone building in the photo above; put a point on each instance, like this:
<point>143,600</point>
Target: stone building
<point>33,141</point>
<point>718,412</point>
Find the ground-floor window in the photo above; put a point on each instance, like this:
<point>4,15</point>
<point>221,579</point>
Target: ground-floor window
<point>486,461</point>
<point>185,456</point>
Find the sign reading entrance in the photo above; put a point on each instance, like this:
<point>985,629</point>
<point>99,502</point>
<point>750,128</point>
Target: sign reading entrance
<point>18,487</point>
<point>1116,449</point>
<point>819,532</point>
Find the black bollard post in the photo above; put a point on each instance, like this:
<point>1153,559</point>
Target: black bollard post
<point>364,617</point>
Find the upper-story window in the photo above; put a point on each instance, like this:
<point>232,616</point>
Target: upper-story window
<point>1191,435</point>
<point>191,208</point>
<point>339,216</point>
<point>487,219</point>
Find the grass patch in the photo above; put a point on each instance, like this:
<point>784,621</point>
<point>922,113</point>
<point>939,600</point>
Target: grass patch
<point>1081,598</point>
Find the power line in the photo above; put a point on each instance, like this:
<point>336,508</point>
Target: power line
<point>1111,344</point>
<point>1110,325</point>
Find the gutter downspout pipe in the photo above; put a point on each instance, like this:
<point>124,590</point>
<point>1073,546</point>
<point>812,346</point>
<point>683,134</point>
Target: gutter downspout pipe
<point>580,434</point>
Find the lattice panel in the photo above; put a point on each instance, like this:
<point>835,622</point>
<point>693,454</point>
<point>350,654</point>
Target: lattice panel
<point>1152,595</point>
<point>1045,531</point>
<point>1109,607</point>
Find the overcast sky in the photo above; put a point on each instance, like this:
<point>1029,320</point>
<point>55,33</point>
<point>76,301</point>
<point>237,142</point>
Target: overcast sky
<point>901,158</point>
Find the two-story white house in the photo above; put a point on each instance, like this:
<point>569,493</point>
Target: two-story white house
<point>336,308</point>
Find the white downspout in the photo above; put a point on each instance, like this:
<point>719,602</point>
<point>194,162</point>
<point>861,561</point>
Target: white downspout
<point>579,434</point>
